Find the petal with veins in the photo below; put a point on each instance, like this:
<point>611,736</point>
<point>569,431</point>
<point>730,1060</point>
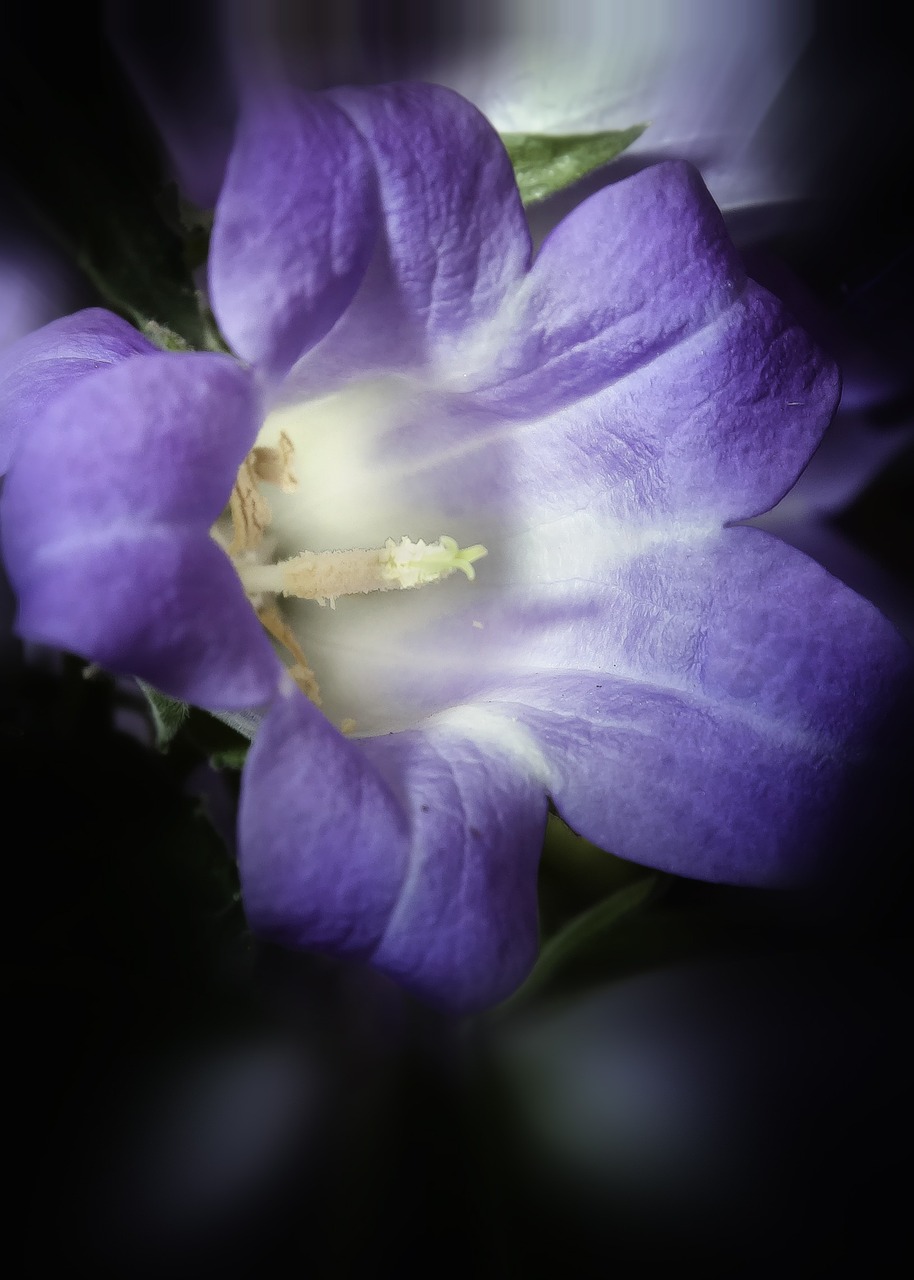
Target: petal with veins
<point>416,851</point>
<point>106,527</point>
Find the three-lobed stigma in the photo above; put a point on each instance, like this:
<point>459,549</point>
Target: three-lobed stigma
<point>412,564</point>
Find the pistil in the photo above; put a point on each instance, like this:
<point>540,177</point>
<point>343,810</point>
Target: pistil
<point>325,575</point>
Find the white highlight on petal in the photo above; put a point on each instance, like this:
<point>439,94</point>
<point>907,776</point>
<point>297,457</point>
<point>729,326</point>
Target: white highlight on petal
<point>342,498</point>
<point>496,732</point>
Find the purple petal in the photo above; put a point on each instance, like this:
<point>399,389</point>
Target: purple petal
<point>456,232</point>
<point>44,363</point>
<point>163,607</point>
<point>631,272</point>
<point>823,542</point>
<point>637,326</point>
<point>852,454</point>
<point>295,227</point>
<point>709,713</point>
<point>416,851</point>
<point>455,242</point>
<point>106,517</point>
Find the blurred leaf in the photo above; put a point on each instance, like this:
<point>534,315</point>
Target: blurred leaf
<point>134,881</point>
<point>575,874</point>
<point>546,163</point>
<point>230,758</point>
<point>583,935</point>
<point>168,714</point>
<point>196,225</point>
<point>592,926</point>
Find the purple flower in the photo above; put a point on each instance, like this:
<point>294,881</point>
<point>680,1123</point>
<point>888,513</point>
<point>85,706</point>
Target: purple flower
<point>690,694</point>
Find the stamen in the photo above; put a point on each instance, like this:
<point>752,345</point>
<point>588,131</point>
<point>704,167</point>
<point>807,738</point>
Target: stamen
<point>274,466</point>
<point>249,509</point>
<point>272,620</point>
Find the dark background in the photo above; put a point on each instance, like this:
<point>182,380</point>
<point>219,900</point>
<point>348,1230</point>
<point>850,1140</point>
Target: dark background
<point>723,1082</point>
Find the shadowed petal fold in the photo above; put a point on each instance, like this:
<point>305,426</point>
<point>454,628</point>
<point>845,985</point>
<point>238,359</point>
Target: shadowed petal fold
<point>454,242</point>
<point>106,524</point>
<point>45,363</point>
<point>416,851</point>
<point>456,233</point>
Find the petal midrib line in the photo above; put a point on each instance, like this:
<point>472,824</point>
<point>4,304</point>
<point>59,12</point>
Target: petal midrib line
<point>810,741</point>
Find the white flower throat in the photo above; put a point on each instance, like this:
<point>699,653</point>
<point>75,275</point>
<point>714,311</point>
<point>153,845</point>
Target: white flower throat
<point>322,576</point>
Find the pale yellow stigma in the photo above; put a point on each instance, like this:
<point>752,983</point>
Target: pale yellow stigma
<point>412,564</point>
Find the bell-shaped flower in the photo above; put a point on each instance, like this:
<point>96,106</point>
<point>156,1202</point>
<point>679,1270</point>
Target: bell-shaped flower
<point>456,529</point>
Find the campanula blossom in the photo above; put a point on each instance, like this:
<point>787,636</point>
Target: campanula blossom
<point>457,529</point>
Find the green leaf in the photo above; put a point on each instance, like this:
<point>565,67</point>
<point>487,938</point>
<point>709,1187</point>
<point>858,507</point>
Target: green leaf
<point>546,163</point>
<point>195,226</point>
<point>167,714</point>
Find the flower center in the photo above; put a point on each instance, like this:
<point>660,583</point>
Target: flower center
<point>322,576</point>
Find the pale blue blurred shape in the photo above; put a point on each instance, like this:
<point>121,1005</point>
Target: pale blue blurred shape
<point>711,1092</point>
<point>626,1096</point>
<point>30,293</point>
<point>203,1148</point>
<point>703,73</point>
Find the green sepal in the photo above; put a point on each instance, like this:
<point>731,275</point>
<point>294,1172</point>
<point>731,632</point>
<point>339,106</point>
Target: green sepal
<point>209,338</point>
<point>168,714</point>
<point>546,163</point>
<point>161,336</point>
<point>223,746</point>
<point>195,226</point>
<point>591,926</point>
